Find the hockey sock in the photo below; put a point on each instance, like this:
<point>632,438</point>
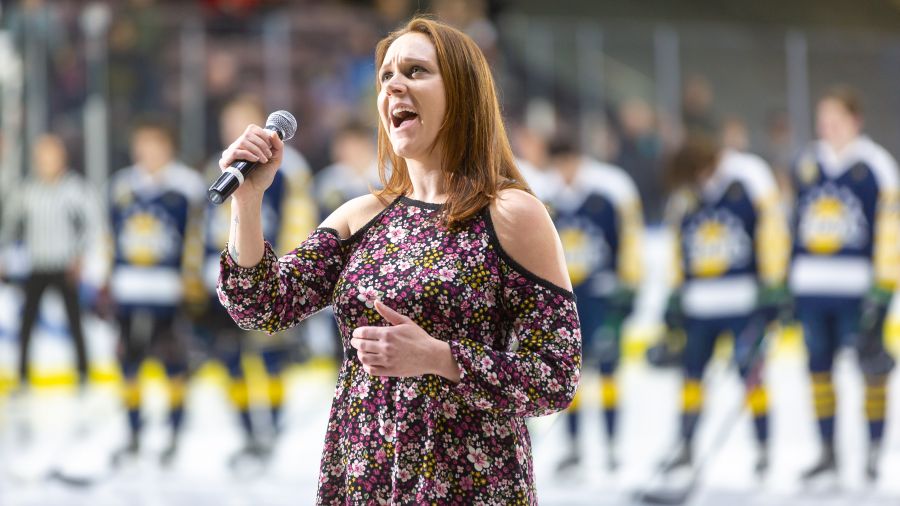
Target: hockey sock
<point>824,404</point>
<point>691,403</point>
<point>876,404</point>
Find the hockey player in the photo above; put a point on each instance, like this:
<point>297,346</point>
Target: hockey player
<point>353,171</point>
<point>845,262</point>
<point>533,160</point>
<point>597,211</point>
<point>288,216</point>
<point>155,211</point>
<point>731,251</point>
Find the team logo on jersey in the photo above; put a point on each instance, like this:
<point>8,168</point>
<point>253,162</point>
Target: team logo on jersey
<point>716,242</point>
<point>831,218</point>
<point>148,238</point>
<point>585,252</point>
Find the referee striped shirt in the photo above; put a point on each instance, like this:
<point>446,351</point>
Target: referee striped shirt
<point>54,220</point>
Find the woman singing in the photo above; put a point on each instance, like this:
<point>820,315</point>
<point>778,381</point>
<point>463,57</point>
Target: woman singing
<point>449,288</point>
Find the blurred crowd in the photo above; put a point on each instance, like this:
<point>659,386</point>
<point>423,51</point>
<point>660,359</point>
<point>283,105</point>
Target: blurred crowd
<point>324,76</point>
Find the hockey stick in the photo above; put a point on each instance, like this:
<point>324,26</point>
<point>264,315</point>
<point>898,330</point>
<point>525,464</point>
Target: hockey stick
<point>754,361</point>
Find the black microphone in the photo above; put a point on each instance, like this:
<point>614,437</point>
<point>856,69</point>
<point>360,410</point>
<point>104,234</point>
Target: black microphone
<point>284,124</point>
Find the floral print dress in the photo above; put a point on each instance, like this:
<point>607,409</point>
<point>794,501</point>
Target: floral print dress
<point>424,440</point>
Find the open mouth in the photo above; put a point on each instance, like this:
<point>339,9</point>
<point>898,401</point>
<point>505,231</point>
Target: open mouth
<point>401,115</point>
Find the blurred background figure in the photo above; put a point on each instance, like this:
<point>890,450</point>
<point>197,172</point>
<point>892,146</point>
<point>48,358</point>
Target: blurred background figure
<point>597,211</point>
<point>136,73</point>
<point>778,150</point>
<point>288,212</point>
<point>697,113</point>
<point>470,16</point>
<point>730,263</point>
<point>156,206</point>
<point>845,264</point>
<point>353,171</point>
<point>735,134</point>
<point>533,159</point>
<point>222,74</point>
<point>640,154</point>
<point>55,215</point>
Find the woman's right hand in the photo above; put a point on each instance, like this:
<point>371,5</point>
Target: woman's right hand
<point>258,145</point>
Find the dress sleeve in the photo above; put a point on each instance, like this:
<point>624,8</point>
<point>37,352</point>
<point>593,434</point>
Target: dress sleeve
<point>538,374</point>
<point>278,293</point>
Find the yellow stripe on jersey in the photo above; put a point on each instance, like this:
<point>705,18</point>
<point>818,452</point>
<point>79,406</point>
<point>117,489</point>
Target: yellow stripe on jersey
<point>676,276</point>
<point>773,244</point>
<point>676,208</point>
<point>192,259</point>
<point>886,252</point>
<point>298,212</point>
<point>630,256</point>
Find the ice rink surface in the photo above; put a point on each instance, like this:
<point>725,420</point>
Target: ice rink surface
<point>53,431</point>
<point>59,432</point>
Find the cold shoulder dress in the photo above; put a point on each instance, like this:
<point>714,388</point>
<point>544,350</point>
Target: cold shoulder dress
<point>425,439</point>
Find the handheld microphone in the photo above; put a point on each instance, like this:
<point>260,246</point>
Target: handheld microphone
<point>281,122</point>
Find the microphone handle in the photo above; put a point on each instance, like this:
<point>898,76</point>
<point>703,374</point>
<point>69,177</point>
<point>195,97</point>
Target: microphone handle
<point>228,182</point>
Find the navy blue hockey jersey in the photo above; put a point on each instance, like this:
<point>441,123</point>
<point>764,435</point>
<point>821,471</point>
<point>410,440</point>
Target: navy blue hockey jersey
<point>845,222</point>
<point>154,225</point>
<point>599,221</point>
<point>730,236</point>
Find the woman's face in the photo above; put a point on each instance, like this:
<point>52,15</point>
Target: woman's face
<point>835,124</point>
<point>412,103</point>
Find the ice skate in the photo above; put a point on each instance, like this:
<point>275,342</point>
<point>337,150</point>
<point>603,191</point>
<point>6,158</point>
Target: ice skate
<point>762,462</point>
<point>872,459</point>
<point>684,458</point>
<point>823,471</point>
<point>569,463</point>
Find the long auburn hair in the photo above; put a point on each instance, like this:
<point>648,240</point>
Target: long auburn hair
<point>477,160</point>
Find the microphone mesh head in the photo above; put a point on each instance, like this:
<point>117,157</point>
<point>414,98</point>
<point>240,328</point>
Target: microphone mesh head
<point>284,122</point>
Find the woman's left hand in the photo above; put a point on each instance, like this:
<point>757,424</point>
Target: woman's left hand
<point>401,349</point>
